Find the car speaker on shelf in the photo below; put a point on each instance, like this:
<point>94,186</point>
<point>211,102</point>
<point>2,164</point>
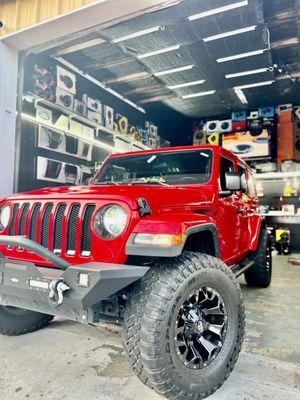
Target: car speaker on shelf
<point>199,136</point>
<point>255,126</point>
<point>212,126</point>
<point>225,126</point>
<point>71,145</point>
<point>297,140</point>
<point>213,139</point>
<point>239,126</point>
<point>238,116</point>
<point>92,104</point>
<point>108,117</point>
<point>266,112</point>
<point>65,79</point>
<point>297,112</point>
<point>153,142</point>
<point>71,173</point>
<point>64,99</point>
<point>121,124</point>
<point>152,129</point>
<point>43,75</point>
<point>253,115</point>
<point>94,116</point>
<point>80,107</point>
<point>49,138</point>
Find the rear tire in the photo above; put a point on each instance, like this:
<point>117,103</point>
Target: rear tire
<point>260,274</point>
<point>165,326</point>
<point>16,321</point>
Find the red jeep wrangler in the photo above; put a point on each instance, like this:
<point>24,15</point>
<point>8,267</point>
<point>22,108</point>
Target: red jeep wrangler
<point>155,242</point>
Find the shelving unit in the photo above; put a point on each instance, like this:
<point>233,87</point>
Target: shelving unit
<point>32,98</point>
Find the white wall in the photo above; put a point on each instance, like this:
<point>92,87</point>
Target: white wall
<point>8,97</point>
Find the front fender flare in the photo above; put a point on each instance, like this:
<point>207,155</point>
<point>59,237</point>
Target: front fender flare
<point>175,250</point>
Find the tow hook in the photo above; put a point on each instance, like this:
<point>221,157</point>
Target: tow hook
<point>57,289</point>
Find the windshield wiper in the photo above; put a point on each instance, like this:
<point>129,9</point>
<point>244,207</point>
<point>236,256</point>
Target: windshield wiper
<point>149,182</point>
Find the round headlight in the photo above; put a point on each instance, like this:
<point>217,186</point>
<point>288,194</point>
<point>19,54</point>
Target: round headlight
<point>110,221</point>
<point>4,217</point>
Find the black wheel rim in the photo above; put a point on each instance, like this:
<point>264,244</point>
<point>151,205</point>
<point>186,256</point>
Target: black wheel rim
<point>200,328</point>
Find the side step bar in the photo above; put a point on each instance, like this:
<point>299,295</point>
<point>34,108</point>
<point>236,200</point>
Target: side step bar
<point>239,269</point>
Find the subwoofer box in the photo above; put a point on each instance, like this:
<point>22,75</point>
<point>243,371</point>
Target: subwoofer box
<point>285,141</point>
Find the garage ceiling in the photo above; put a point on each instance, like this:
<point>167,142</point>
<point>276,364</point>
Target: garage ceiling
<point>193,72</point>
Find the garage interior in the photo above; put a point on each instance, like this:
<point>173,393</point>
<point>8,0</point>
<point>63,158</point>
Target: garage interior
<point>190,72</point>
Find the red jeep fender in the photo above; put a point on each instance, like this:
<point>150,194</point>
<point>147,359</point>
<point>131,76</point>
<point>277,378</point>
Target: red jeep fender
<point>184,225</point>
<point>255,226</point>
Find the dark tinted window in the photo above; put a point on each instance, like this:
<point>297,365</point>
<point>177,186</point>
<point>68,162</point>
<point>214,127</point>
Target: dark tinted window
<point>243,178</point>
<point>174,168</point>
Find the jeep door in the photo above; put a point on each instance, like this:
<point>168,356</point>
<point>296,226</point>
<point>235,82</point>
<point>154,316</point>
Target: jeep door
<point>229,217</point>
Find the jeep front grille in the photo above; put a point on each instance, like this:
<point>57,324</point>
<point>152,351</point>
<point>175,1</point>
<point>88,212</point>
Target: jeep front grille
<point>62,228</point>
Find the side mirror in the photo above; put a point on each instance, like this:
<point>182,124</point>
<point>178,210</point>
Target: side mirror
<point>233,181</point>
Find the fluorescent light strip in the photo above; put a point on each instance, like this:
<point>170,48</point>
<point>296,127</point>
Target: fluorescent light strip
<point>251,85</point>
<point>189,96</point>
<point>157,52</point>
<point>241,95</point>
<point>244,73</point>
<point>229,33</point>
<point>218,10</point>
<point>99,84</point>
<point>241,55</point>
<point>136,34</point>
<point>173,70</point>
<point>181,85</point>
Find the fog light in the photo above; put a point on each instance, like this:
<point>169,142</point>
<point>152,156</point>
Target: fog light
<point>84,280</point>
<point>161,240</point>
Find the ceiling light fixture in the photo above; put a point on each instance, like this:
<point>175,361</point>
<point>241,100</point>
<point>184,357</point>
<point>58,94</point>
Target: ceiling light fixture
<point>229,33</point>
<point>251,85</point>
<point>157,52</point>
<point>173,70</point>
<point>181,85</point>
<point>241,55</point>
<point>189,96</point>
<point>137,34</point>
<point>250,72</point>
<point>218,10</point>
<point>240,94</point>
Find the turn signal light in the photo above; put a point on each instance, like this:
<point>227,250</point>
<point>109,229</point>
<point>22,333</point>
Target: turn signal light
<point>162,240</point>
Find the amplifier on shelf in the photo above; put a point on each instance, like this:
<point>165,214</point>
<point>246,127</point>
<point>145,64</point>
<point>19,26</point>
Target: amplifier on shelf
<point>94,116</point>
<point>152,129</point>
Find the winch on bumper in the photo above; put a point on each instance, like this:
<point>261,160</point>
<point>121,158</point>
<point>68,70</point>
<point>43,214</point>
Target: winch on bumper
<point>71,291</point>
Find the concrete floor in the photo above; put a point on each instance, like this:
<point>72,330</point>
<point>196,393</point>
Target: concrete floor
<point>75,362</point>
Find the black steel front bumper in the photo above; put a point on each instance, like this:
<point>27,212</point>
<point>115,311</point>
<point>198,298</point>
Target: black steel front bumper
<point>71,291</point>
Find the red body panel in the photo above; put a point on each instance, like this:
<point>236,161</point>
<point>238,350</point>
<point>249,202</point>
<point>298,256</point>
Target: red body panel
<point>173,210</point>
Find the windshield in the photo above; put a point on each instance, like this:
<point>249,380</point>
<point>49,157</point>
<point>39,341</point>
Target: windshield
<point>173,168</point>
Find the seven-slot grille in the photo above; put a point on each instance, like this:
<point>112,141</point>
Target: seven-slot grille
<point>49,223</point>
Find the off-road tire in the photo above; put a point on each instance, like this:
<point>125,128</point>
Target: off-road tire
<point>260,274</point>
<point>14,321</point>
<point>149,320</point>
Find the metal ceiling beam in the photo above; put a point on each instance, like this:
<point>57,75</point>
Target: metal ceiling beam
<point>79,46</point>
<point>285,42</point>
<point>130,77</point>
